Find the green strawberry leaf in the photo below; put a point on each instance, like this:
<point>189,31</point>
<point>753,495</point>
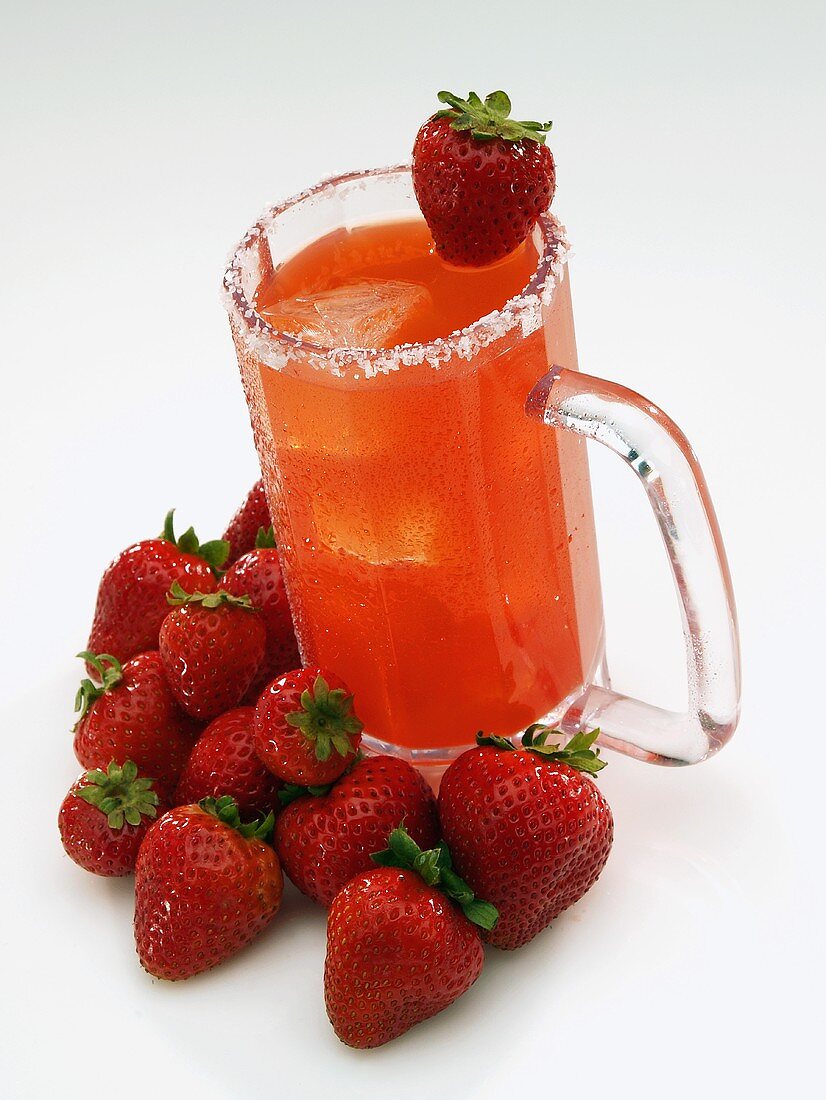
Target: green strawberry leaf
<point>214,553</point>
<point>188,542</point>
<point>490,119</point>
<point>499,103</point>
<point>265,539</point>
<point>434,867</point>
<point>225,809</point>
<point>177,596</point>
<point>482,913</point>
<point>291,791</point>
<point>119,794</point>
<point>327,719</point>
<point>577,753</point>
<point>494,741</point>
<point>109,672</point>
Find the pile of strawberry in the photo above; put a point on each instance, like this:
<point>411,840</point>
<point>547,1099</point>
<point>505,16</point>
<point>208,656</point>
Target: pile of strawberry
<point>215,762</point>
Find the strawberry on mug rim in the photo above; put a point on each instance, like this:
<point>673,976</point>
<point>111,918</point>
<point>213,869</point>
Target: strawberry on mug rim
<point>481,178</point>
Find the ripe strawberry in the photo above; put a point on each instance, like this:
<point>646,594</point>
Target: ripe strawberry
<point>247,522</point>
<point>104,816</point>
<point>526,827</point>
<point>131,603</point>
<point>131,715</point>
<point>205,886</point>
<point>258,575</point>
<point>211,646</point>
<point>305,729</point>
<point>325,839</point>
<point>224,762</point>
<point>401,943</point>
<point>481,178</point>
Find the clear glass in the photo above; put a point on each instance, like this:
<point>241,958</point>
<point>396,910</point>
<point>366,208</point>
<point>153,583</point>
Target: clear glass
<point>437,538</point>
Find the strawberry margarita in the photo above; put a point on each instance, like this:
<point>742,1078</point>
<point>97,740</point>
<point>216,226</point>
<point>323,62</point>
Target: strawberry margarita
<point>407,350</point>
<point>433,553</point>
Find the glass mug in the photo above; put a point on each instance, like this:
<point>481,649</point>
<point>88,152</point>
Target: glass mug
<point>433,512</point>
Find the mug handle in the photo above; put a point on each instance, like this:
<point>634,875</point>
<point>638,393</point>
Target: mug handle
<point>660,455</point>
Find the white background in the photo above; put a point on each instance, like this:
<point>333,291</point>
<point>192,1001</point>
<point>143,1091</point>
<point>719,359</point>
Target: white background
<point>138,141</point>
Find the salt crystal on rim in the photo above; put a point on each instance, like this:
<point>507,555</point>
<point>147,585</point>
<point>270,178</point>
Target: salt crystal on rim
<point>276,349</point>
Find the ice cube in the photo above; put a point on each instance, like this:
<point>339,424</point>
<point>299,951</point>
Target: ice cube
<point>365,314</point>
<point>407,533</point>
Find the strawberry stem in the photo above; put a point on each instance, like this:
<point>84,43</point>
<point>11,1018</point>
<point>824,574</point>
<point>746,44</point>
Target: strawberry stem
<point>435,867</point>
<point>494,741</point>
<point>490,119</point>
<point>214,553</point>
<point>577,753</point>
<point>110,674</point>
<point>291,791</point>
<point>178,597</point>
<point>118,793</point>
<point>225,809</point>
<point>327,719</point>
<point>265,539</point>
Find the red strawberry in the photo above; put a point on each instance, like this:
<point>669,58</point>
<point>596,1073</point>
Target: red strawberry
<point>205,886</point>
<point>211,646</point>
<point>258,575</point>
<point>323,841</point>
<point>481,179</point>
<point>131,715</point>
<point>131,603</point>
<point>401,943</point>
<point>223,762</point>
<point>104,816</point>
<point>305,729</point>
<point>247,522</point>
<point>527,829</point>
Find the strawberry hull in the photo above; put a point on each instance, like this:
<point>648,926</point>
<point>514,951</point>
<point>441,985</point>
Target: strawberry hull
<point>94,844</point>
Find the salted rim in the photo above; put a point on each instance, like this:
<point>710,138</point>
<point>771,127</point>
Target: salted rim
<point>274,347</point>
